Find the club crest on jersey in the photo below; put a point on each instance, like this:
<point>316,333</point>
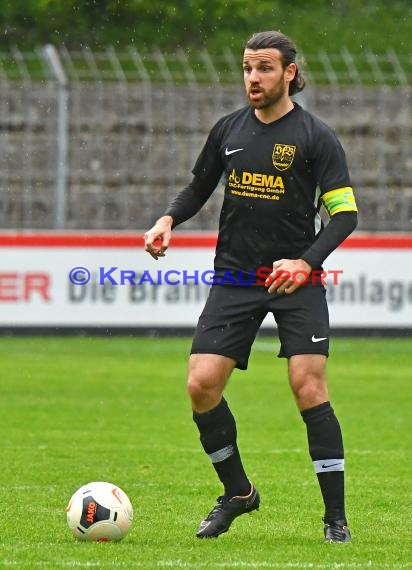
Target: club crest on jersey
<point>283,155</point>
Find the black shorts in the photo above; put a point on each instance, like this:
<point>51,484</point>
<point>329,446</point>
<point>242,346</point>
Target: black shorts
<point>232,317</point>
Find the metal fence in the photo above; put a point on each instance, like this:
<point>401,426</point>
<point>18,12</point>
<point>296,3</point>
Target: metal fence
<point>104,140</point>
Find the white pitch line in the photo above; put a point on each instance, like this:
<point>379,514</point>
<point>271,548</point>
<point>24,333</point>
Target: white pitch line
<point>267,564</point>
<point>231,564</point>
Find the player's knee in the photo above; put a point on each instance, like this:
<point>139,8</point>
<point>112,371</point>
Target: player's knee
<point>204,393</point>
<point>198,387</point>
<point>306,392</point>
<point>310,390</point>
<point>195,387</point>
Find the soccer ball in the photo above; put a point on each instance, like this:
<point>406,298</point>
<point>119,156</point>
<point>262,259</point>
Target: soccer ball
<point>99,511</point>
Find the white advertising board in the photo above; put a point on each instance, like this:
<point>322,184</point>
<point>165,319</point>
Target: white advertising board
<point>373,275</point>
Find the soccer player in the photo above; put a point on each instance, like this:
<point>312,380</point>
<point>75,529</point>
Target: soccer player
<point>280,165</point>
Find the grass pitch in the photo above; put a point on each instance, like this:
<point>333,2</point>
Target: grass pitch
<point>75,410</point>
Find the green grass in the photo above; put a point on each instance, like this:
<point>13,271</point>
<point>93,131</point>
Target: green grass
<point>75,410</point>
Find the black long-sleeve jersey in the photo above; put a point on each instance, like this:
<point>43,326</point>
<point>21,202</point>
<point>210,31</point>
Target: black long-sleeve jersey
<point>277,175</point>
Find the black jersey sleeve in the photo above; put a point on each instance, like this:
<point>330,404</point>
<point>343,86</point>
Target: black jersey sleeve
<point>332,176</point>
<point>190,200</point>
<point>207,173</point>
<point>339,227</point>
<point>209,163</point>
<point>328,159</point>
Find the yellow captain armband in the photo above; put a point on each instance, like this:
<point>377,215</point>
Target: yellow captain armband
<point>339,200</point>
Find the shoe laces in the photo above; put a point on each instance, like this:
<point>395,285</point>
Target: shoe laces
<point>337,529</point>
<point>221,501</point>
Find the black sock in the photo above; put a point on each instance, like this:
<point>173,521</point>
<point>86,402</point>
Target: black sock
<point>218,436</point>
<point>326,451</point>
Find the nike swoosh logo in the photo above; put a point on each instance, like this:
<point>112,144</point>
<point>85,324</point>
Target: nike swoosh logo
<point>314,339</point>
<point>204,524</point>
<point>115,492</point>
<point>227,151</point>
<point>331,465</point>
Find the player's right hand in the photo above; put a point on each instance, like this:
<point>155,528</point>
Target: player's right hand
<point>157,239</point>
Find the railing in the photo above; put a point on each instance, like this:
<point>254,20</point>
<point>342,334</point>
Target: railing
<point>129,65</point>
<point>104,139</point>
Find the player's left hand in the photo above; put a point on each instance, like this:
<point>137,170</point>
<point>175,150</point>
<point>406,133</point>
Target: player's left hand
<point>288,275</point>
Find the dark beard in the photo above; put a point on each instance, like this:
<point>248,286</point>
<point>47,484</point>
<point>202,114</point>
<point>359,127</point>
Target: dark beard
<point>269,101</point>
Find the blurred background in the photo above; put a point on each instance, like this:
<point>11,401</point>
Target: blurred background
<point>105,104</point>
<point>104,107</point>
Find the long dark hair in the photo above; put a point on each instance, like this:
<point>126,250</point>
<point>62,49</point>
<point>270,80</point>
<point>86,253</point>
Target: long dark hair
<point>277,40</point>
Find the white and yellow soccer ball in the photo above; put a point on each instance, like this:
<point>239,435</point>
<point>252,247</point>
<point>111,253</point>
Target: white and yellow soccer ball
<point>99,511</point>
